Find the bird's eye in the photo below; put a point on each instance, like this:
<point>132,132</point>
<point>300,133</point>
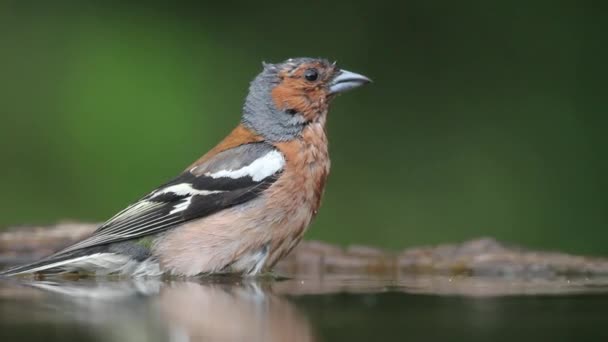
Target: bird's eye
<point>311,74</point>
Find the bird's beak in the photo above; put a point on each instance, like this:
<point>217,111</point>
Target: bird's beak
<point>346,80</point>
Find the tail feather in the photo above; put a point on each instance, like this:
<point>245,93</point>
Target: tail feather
<point>56,263</point>
<point>41,265</point>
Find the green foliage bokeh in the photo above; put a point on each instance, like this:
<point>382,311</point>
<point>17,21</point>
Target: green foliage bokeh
<point>485,119</point>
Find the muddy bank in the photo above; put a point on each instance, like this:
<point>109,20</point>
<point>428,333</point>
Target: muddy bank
<point>484,256</point>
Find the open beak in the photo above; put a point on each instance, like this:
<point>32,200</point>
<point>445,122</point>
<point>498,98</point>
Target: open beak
<point>346,80</point>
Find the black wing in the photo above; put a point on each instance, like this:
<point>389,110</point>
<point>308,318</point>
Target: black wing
<point>230,178</point>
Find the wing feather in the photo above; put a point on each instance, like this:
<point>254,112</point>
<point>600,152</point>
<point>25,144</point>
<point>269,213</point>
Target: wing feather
<point>230,178</point>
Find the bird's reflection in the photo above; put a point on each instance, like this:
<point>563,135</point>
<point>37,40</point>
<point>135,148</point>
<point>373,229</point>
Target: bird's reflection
<point>155,310</point>
<point>243,312</point>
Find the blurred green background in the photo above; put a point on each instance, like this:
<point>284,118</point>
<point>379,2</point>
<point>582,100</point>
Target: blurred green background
<point>485,118</point>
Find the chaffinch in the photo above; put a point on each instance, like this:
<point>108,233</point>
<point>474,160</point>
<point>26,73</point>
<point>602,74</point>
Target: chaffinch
<point>242,206</point>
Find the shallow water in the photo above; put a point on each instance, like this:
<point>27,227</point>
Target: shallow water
<point>329,308</point>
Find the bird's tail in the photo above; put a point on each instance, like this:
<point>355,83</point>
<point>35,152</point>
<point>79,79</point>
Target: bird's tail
<point>59,262</point>
<point>38,266</point>
<point>49,263</point>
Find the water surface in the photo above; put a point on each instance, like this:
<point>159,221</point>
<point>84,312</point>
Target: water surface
<point>329,308</point>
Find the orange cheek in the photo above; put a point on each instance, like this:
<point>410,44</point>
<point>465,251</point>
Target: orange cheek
<point>291,94</point>
<point>284,97</point>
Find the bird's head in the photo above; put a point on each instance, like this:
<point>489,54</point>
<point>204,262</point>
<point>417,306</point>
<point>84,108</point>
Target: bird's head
<point>287,96</point>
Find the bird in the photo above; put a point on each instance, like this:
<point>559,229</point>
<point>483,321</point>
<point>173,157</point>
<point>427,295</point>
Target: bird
<point>242,206</point>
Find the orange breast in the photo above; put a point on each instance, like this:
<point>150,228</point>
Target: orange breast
<point>299,190</point>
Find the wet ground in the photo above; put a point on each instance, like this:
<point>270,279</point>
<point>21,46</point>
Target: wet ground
<point>328,308</point>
